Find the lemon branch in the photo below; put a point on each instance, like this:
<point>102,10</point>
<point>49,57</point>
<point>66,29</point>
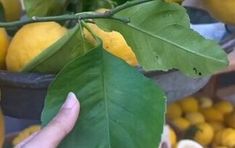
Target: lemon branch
<point>78,16</point>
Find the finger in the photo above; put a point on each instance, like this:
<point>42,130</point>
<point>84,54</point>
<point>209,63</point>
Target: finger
<point>51,135</point>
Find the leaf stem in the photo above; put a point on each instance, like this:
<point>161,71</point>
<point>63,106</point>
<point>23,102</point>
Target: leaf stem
<point>94,35</point>
<point>78,16</point>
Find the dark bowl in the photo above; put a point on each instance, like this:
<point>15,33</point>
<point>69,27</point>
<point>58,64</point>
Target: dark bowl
<point>23,94</point>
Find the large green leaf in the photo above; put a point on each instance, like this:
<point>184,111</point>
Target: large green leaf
<point>120,108</point>
<point>53,59</point>
<point>45,7</point>
<point>160,35</point>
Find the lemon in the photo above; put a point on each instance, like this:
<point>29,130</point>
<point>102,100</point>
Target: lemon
<point>173,137</point>
<point>30,41</point>
<point>2,129</point>
<point>217,126</point>
<point>205,102</point>
<point>12,9</point>
<point>224,107</point>
<point>204,134</point>
<point>195,118</point>
<point>223,10</point>
<point>212,114</point>
<point>114,43</point>
<point>173,111</point>
<point>230,119</point>
<point>4,43</point>
<point>225,137</point>
<point>189,104</point>
<point>181,123</point>
<point>25,134</point>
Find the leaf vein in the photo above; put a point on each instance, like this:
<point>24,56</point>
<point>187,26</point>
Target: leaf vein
<point>176,45</point>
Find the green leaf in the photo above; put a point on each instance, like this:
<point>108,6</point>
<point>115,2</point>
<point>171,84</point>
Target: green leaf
<point>160,35</point>
<point>45,7</point>
<point>74,6</point>
<point>120,108</point>
<point>53,59</point>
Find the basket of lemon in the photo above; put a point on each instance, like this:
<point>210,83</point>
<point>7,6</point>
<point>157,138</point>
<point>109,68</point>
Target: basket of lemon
<point>21,88</point>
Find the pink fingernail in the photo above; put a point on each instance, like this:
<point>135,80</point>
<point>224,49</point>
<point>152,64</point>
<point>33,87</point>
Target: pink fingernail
<point>70,101</point>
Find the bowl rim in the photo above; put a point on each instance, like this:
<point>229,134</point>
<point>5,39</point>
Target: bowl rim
<point>25,80</point>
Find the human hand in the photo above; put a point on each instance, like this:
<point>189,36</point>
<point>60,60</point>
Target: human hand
<point>51,135</point>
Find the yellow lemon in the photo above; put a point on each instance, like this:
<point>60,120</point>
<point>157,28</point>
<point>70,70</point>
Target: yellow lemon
<point>12,9</point>
<point>204,134</point>
<point>217,126</point>
<point>114,43</point>
<point>205,102</point>
<point>212,114</point>
<point>230,119</point>
<point>224,107</point>
<point>173,137</point>
<point>2,129</point>
<point>173,111</point>
<point>223,10</point>
<point>4,43</point>
<point>181,123</point>
<point>30,41</point>
<point>195,117</point>
<point>25,134</point>
<point>225,137</point>
<point>189,104</point>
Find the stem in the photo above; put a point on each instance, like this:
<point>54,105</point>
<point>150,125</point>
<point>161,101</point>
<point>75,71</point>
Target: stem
<point>79,16</point>
<point>89,29</point>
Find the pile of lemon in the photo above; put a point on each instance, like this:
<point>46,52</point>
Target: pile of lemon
<point>213,123</point>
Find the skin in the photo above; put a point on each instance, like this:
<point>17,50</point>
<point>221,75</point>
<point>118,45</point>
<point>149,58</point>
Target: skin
<point>231,66</point>
<point>51,135</point>
<point>231,58</point>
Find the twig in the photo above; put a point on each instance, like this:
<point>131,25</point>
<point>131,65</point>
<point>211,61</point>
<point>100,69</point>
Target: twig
<point>79,16</point>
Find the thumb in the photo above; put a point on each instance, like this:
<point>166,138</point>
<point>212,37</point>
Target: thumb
<point>51,135</point>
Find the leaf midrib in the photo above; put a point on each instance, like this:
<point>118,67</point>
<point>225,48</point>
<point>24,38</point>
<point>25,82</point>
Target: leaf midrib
<point>105,99</point>
<point>177,45</point>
